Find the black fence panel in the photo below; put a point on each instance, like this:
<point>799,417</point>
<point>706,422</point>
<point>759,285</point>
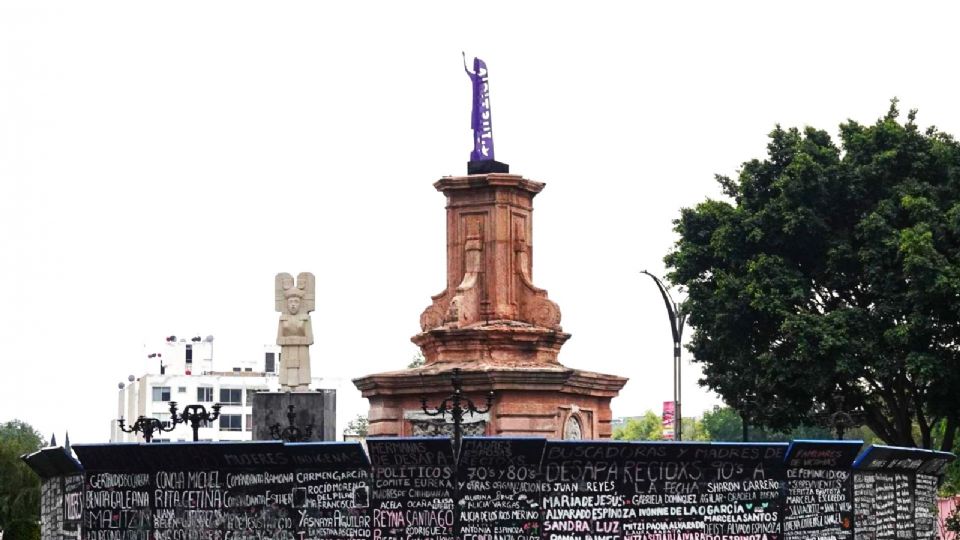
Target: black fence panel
<point>497,489</point>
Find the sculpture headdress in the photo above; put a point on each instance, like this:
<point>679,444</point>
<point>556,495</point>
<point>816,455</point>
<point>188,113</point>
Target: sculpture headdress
<point>304,288</point>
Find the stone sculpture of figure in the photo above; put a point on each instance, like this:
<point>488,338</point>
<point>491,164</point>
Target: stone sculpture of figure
<point>294,333</point>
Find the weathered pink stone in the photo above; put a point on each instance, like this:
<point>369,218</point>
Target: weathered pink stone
<point>494,324</point>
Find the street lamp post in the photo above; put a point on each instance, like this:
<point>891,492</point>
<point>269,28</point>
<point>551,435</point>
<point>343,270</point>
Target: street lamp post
<point>194,415</point>
<point>746,405</point>
<point>842,419</point>
<point>291,433</point>
<point>146,426</point>
<point>677,318</point>
<point>457,405</point>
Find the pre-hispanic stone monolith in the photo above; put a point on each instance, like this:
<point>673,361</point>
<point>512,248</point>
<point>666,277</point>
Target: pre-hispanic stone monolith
<point>294,332</point>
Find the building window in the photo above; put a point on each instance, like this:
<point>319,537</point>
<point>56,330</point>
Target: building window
<point>163,417</point>
<point>159,440</point>
<point>231,396</point>
<point>269,360</point>
<point>181,389</point>
<point>230,422</point>
<point>249,422</point>
<point>205,394</point>
<point>161,393</point>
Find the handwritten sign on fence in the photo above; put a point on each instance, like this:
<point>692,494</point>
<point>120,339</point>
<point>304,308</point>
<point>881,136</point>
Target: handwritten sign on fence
<point>503,488</point>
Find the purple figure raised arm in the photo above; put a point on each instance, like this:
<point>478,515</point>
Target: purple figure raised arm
<point>481,119</point>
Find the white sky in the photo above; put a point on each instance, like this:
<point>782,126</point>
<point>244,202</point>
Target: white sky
<point>160,162</point>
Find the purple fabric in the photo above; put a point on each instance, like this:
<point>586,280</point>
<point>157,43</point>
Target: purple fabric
<point>481,118</point>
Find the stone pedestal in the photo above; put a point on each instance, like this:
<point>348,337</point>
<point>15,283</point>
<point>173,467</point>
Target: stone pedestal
<point>318,408</point>
<point>496,326</point>
<point>529,401</point>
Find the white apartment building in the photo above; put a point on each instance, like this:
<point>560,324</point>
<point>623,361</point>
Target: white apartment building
<point>184,372</point>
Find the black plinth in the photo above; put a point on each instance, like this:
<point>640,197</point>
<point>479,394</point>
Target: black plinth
<point>316,407</point>
<point>487,166</point>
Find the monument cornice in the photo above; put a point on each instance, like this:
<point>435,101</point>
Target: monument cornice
<point>478,376</point>
<point>504,343</point>
<point>474,181</point>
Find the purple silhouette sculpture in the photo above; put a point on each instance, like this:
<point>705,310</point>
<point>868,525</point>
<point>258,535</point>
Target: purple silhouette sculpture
<point>481,119</point>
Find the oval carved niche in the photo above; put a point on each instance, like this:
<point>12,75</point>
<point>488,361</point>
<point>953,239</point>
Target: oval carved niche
<point>572,428</point>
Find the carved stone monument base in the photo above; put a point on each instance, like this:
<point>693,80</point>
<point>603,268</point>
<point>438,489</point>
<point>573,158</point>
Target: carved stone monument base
<point>491,321</point>
<point>317,408</point>
<point>424,425</point>
<point>549,401</point>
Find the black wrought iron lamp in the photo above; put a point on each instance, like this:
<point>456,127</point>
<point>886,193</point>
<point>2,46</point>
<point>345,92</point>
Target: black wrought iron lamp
<point>457,405</point>
<point>146,426</point>
<point>291,433</point>
<point>195,415</point>
<point>840,418</point>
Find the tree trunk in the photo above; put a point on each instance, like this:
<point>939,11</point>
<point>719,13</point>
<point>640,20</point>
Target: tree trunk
<point>926,441</point>
<point>879,424</point>
<point>902,420</point>
<point>949,434</point>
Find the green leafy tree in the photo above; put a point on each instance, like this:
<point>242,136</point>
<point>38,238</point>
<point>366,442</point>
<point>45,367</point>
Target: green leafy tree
<point>417,361</point>
<point>723,424</point>
<point>649,427</point>
<point>823,433</point>
<point>359,426</point>
<point>953,521</point>
<point>726,424</point>
<point>950,486</point>
<point>951,481</point>
<point>19,486</point>
<point>694,430</point>
<point>645,428</point>
<point>833,269</point>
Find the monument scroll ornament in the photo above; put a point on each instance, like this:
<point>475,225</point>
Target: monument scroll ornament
<point>295,301</point>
